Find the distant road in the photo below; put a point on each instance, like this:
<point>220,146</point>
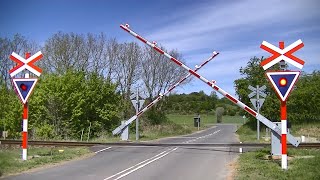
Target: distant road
<point>142,163</point>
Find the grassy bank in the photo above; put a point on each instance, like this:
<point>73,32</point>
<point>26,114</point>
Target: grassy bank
<point>303,163</point>
<point>11,162</point>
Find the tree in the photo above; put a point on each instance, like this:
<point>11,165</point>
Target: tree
<point>18,44</point>
<point>253,74</point>
<point>303,103</point>
<point>158,73</point>
<point>69,103</point>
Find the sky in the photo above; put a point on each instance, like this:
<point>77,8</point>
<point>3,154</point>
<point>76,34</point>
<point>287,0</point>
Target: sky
<point>234,28</point>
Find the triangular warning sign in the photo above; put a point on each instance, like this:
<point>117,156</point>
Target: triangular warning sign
<point>283,82</point>
<point>257,104</point>
<point>24,87</point>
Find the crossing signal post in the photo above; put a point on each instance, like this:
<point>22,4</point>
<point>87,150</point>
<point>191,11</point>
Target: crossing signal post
<point>24,87</point>
<point>283,81</point>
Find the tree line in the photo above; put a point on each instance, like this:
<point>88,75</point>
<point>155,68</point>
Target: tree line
<point>87,81</point>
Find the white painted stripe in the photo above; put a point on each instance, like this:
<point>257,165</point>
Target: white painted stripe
<point>24,154</point>
<point>284,161</point>
<point>192,140</point>
<point>240,104</point>
<point>135,165</point>
<point>141,166</point>
<point>291,46</point>
<point>102,150</point>
<point>283,126</point>
<point>25,125</point>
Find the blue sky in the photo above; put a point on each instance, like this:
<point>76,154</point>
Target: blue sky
<point>196,28</point>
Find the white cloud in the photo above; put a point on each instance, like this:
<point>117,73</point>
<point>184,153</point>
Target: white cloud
<point>236,29</point>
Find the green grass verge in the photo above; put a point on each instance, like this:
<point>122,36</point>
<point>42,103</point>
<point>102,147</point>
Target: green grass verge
<point>254,165</point>
<point>303,164</point>
<point>11,162</point>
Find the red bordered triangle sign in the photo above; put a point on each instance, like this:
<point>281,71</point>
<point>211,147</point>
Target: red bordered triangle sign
<point>283,82</point>
<point>24,87</point>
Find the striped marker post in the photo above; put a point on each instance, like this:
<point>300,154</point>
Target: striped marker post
<point>25,132</point>
<point>258,116</point>
<point>25,124</point>
<point>283,116</point>
<point>118,130</point>
<point>284,158</point>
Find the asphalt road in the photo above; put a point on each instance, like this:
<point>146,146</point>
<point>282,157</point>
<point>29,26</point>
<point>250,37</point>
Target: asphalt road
<point>139,163</point>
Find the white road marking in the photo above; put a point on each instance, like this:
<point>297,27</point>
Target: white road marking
<point>192,140</point>
<point>102,150</point>
<point>141,164</point>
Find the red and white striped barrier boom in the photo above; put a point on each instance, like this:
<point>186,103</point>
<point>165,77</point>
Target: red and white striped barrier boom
<point>119,129</point>
<point>258,116</point>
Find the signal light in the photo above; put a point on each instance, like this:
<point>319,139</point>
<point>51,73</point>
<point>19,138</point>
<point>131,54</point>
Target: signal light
<point>23,87</point>
<point>283,81</point>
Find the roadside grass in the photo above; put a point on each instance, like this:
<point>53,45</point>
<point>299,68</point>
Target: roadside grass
<point>308,130</point>
<point>182,124</point>
<point>164,130</point>
<point>12,163</point>
<point>303,164</point>
<point>311,131</point>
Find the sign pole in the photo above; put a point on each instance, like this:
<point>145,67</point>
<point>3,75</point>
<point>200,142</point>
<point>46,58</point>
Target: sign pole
<point>25,124</point>
<point>24,87</point>
<point>137,111</point>
<point>25,131</point>
<point>258,111</point>
<point>283,109</point>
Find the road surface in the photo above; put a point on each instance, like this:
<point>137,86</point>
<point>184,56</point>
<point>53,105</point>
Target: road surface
<point>142,163</point>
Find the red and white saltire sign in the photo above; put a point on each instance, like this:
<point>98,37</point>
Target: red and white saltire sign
<point>282,53</point>
<point>23,64</point>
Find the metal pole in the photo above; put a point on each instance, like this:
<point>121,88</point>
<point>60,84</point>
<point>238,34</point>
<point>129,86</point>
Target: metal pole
<point>258,111</point>
<point>25,123</point>
<point>137,111</point>
<point>284,163</point>
<point>25,132</point>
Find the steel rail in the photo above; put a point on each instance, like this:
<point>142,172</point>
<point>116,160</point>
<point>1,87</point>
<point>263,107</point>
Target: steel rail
<point>128,144</point>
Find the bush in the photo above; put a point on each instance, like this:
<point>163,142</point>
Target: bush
<point>220,112</point>
<point>156,117</point>
<point>232,112</point>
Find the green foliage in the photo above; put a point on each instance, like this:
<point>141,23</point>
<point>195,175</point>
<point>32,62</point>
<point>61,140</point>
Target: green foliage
<point>69,103</point>
<point>45,131</point>
<point>253,74</point>
<point>10,112</point>
<point>195,102</point>
<point>155,116</point>
<point>303,103</point>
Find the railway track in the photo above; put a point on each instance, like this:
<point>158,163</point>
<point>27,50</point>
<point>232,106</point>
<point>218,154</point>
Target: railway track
<point>89,144</point>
